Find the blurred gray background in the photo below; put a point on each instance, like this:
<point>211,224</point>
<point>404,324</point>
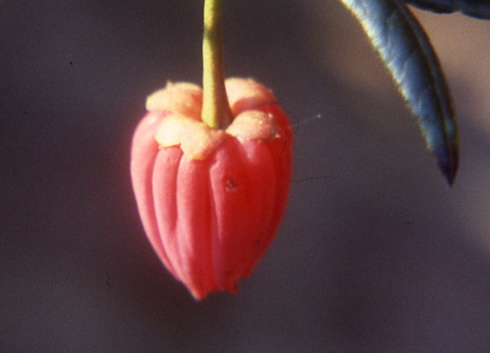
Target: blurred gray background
<point>376,253</point>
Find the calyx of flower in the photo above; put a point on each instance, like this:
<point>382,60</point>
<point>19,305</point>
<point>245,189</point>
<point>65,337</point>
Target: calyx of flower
<point>183,126</point>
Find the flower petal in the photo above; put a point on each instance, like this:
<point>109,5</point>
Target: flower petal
<point>179,98</point>
<point>246,94</point>
<point>143,155</point>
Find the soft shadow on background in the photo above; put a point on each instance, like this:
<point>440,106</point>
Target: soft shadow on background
<point>376,253</point>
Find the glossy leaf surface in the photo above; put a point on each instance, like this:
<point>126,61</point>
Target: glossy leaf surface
<point>475,8</point>
<point>407,53</point>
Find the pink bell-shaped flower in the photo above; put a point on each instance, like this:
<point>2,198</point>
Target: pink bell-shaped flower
<point>211,200</point>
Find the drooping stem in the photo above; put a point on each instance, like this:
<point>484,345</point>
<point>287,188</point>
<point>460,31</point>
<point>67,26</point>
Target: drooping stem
<point>216,111</point>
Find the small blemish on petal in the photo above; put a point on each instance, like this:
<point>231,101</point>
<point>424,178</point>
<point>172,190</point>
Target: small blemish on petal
<point>231,186</point>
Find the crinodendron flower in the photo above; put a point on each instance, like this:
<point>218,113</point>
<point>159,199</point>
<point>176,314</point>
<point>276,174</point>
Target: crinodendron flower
<point>211,200</point>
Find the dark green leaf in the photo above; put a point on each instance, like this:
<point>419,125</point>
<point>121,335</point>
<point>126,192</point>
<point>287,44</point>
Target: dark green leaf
<point>408,54</point>
<point>475,8</point>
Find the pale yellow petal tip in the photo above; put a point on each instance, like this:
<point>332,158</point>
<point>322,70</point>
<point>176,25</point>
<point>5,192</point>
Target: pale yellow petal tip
<point>197,140</point>
<point>245,94</point>
<point>254,125</point>
<point>181,97</point>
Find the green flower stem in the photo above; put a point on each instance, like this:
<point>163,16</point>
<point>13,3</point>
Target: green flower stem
<point>216,111</point>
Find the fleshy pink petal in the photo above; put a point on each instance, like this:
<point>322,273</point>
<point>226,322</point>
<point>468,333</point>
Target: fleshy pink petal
<point>194,226</point>
<point>143,154</point>
<point>163,179</point>
<point>243,189</point>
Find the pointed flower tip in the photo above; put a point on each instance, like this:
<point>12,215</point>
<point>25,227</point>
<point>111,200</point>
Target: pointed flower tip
<point>200,294</point>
